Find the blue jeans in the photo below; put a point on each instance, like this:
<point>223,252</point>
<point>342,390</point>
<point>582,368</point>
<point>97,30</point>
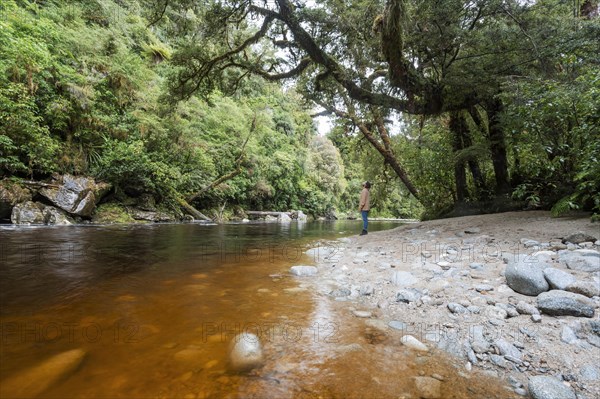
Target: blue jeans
<point>365,218</point>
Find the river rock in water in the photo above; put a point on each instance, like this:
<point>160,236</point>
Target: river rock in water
<point>77,195</point>
<point>245,352</point>
<point>303,271</point>
<point>27,213</point>
<point>31,383</point>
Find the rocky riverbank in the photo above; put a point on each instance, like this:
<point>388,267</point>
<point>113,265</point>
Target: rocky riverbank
<point>67,200</point>
<point>514,295</point>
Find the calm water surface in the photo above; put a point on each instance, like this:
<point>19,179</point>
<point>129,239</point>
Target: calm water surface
<point>155,306</point>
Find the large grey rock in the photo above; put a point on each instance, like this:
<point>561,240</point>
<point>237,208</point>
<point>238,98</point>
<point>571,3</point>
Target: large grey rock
<point>544,387</point>
<point>10,195</point>
<point>558,279</point>
<point>28,213</point>
<point>578,238</point>
<point>34,381</point>
<point>303,271</point>
<point>587,260</point>
<point>403,279</point>
<point>77,195</point>
<point>284,218</point>
<point>408,295</point>
<point>525,275</point>
<point>56,216</point>
<point>301,216</point>
<point>586,288</point>
<point>245,352</point>
<point>563,303</point>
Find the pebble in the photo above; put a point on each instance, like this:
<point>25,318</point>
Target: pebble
<point>457,308</point>
<point>526,308</point>
<point>361,313</point>
<point>514,382</point>
<point>403,279</point>
<point>567,335</point>
<point>413,343</point>
<point>521,391</point>
<point>398,325</point>
<point>498,361</point>
<point>496,312</point>
<point>303,271</point>
<point>536,318</point>
<point>484,288</point>
<point>428,388</point>
<point>507,349</point>
<point>476,266</point>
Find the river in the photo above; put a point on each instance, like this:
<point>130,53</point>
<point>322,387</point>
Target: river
<point>154,306</point>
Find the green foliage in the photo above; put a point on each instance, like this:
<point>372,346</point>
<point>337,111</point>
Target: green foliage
<point>555,131</point>
<point>83,91</point>
<point>87,87</point>
<point>112,213</point>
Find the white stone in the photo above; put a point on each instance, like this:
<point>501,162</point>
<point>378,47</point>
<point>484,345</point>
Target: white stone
<point>413,343</point>
<point>245,352</point>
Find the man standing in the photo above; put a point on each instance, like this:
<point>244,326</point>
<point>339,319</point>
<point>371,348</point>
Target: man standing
<point>364,206</point>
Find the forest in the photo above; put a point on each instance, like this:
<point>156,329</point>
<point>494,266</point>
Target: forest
<point>446,107</point>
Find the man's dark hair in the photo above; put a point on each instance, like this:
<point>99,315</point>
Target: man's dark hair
<point>368,184</point>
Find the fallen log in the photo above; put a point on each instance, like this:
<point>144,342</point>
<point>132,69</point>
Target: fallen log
<point>39,184</point>
<point>193,211</point>
<point>266,213</point>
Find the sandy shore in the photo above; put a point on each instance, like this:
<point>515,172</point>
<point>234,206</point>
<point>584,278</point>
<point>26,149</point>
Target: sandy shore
<point>443,282</point>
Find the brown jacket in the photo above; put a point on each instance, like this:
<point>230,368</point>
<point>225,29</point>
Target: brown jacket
<point>364,200</point>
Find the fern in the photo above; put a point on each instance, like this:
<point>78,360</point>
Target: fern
<point>563,206</point>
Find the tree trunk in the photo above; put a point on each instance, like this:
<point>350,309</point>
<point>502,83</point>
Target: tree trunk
<point>460,176</point>
<point>385,150</point>
<point>467,142</point>
<point>498,147</point>
<point>390,158</point>
<point>192,211</point>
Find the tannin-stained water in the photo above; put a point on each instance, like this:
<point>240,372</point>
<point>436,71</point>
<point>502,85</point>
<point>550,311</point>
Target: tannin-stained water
<point>154,307</point>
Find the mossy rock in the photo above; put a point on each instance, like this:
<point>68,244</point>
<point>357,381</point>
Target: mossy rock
<point>111,213</point>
